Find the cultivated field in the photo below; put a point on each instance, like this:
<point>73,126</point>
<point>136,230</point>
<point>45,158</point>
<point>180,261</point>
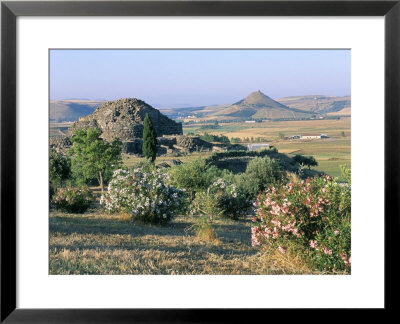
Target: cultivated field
<point>97,243</point>
<point>330,153</point>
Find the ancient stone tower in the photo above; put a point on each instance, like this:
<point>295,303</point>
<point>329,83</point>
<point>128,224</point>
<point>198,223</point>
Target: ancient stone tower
<point>124,118</point>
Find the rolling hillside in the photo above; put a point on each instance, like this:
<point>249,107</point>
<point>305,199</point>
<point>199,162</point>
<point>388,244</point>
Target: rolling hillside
<point>71,110</point>
<point>319,104</point>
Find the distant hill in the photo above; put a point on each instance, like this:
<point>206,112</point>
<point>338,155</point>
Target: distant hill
<point>71,110</point>
<point>319,104</point>
<point>202,111</point>
<point>258,105</point>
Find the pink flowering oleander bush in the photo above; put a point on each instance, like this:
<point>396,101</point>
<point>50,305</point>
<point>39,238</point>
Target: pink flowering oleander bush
<point>221,199</point>
<point>310,217</point>
<point>72,199</point>
<point>145,195</point>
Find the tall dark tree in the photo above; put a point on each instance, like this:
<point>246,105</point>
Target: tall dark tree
<point>149,139</point>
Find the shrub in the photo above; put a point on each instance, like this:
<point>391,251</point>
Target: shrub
<point>216,156</point>
<point>260,173</point>
<point>305,160</point>
<point>193,176</point>
<point>72,199</point>
<point>204,230</point>
<point>59,168</point>
<point>214,138</point>
<point>221,199</point>
<point>51,192</point>
<point>144,195</point>
<point>311,217</point>
<point>145,165</point>
<point>235,140</point>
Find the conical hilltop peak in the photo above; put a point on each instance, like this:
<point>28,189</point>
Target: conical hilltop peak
<point>259,105</point>
<point>258,98</point>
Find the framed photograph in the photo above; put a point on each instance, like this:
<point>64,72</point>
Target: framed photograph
<point>189,160</point>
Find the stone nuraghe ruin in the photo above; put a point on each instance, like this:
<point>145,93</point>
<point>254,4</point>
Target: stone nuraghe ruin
<point>124,119</point>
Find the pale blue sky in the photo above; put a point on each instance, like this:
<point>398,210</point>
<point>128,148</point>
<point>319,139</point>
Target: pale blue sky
<point>197,77</point>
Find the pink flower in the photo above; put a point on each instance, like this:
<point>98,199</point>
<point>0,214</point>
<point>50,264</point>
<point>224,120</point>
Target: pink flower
<point>347,262</point>
<point>313,244</point>
<point>336,232</point>
<point>254,236</point>
<point>282,249</point>
<point>327,251</point>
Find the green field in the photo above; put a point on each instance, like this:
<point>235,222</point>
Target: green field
<point>329,153</point>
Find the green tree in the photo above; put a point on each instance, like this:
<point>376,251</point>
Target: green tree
<point>193,176</point>
<point>305,160</point>
<point>92,156</point>
<point>260,173</point>
<point>149,139</point>
<point>59,171</point>
<point>207,137</point>
<point>59,168</point>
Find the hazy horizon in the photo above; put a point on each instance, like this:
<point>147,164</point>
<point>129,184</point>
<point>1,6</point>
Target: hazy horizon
<point>197,77</point>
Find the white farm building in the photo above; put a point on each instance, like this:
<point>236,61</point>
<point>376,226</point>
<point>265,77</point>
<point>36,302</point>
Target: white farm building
<point>313,136</point>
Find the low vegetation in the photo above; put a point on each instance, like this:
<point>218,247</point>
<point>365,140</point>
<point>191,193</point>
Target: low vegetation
<point>263,214</point>
<point>310,218</point>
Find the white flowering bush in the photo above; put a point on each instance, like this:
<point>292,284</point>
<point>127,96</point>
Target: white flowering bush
<point>221,198</point>
<point>145,195</point>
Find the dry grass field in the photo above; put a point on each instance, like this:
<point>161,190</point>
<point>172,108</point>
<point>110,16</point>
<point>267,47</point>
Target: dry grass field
<point>96,243</point>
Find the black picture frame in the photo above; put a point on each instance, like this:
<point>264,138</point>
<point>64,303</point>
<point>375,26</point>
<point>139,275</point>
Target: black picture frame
<point>10,10</point>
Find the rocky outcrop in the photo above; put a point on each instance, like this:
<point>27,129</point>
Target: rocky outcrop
<point>60,144</point>
<point>124,119</point>
<point>169,144</point>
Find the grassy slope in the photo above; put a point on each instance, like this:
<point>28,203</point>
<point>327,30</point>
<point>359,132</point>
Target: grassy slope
<point>96,243</point>
<point>323,104</point>
<point>71,110</point>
